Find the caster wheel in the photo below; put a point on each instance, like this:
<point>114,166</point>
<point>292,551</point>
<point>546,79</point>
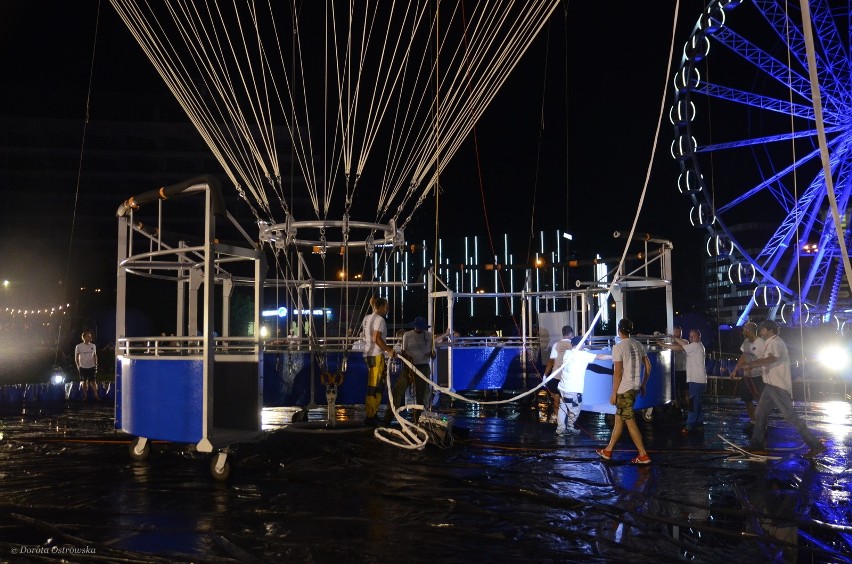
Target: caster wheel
<point>220,474</point>
<point>138,453</point>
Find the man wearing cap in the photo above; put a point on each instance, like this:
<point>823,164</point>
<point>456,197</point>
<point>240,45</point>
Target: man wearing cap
<point>417,346</point>
<point>777,392</point>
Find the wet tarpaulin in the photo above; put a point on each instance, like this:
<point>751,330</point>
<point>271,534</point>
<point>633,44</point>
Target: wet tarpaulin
<point>507,489</point>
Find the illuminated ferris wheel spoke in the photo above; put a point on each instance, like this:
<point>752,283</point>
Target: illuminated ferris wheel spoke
<point>832,60</point>
<point>764,63</point>
<point>771,183</point>
<point>710,147</point>
<point>756,54</point>
<point>820,275</point>
<point>756,100</point>
<point>805,214</point>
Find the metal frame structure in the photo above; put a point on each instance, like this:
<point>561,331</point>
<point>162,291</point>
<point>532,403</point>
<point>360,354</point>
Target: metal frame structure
<point>653,273</point>
<point>196,386</point>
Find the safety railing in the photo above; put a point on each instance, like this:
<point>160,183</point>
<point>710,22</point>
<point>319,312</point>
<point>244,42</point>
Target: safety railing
<point>167,346</point>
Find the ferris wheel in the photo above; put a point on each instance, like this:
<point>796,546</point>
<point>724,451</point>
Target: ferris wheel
<point>746,140</point>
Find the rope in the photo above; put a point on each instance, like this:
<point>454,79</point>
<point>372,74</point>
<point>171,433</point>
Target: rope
<point>414,437</point>
<point>79,175</point>
<point>823,145</point>
<point>629,238</point>
<point>224,64</point>
<point>409,436</point>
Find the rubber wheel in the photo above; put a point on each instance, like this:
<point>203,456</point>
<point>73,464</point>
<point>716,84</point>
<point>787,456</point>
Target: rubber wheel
<point>226,469</point>
<point>139,455</point>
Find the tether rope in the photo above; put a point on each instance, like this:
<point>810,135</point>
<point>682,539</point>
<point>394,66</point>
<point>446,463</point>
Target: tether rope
<point>79,175</point>
<point>235,87</point>
<point>823,144</point>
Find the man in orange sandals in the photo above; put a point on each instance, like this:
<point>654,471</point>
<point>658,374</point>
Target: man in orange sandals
<point>628,358</point>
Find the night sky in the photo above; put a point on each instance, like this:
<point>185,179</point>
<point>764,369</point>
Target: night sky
<point>616,72</point>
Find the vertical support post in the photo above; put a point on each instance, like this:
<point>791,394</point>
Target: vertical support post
<point>525,325</point>
<point>430,316</point>
<point>124,240</point>
<point>451,328</point>
<point>259,280</point>
<point>121,280</point>
<point>227,293</point>
<point>430,306</point>
<point>313,402</point>
<point>195,281</point>
<point>182,276</point>
<point>205,444</point>
<point>584,312</point>
<point>618,295</point>
<point>666,275</point>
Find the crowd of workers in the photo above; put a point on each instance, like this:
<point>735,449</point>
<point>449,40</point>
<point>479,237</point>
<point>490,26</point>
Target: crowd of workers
<point>763,370</point>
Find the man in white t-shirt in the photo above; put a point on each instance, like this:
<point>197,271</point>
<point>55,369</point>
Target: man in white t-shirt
<point>628,379</point>
<point>419,347</point>
<point>777,392</point>
<point>554,364</point>
<point>696,377</point>
<point>86,359</point>
<point>375,331</point>
<point>575,362</point>
<point>751,381</point>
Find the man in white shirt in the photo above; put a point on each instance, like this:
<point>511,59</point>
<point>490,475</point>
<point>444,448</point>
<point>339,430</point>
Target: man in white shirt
<point>575,362</point>
<point>419,347</point>
<point>375,330</point>
<point>696,377</point>
<point>628,379</point>
<point>751,381</point>
<point>777,392</point>
<point>86,359</point>
<point>554,364</point>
